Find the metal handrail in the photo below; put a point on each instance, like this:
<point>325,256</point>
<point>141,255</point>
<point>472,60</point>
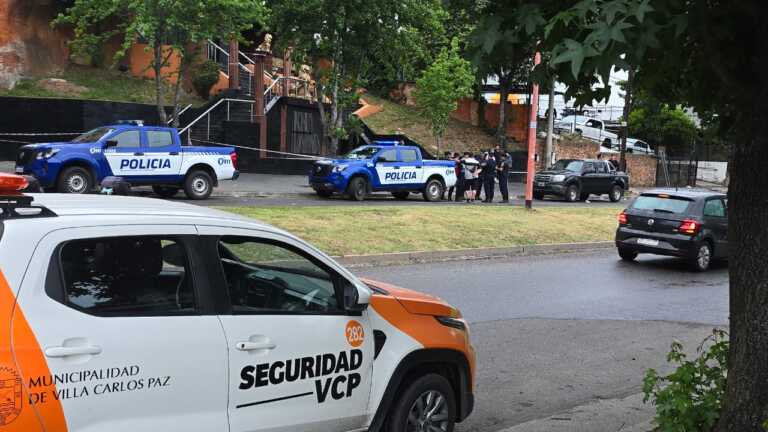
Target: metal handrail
<point>180,113</point>
<point>208,111</point>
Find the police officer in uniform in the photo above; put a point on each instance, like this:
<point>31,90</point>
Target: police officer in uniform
<point>489,177</point>
<point>502,172</point>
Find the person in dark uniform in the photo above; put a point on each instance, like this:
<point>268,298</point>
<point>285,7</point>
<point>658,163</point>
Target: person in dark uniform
<point>489,178</point>
<point>459,188</point>
<point>447,156</point>
<point>502,172</point>
<point>482,159</point>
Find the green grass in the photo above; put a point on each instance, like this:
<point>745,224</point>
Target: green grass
<point>101,84</point>
<point>348,230</point>
<point>459,136</point>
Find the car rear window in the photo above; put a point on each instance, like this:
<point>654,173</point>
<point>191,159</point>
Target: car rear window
<point>663,204</point>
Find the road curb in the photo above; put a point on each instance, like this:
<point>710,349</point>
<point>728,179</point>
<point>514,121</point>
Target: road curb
<point>423,257</point>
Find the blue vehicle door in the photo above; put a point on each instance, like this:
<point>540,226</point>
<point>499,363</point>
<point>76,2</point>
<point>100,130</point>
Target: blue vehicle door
<point>123,152</point>
<point>386,168</point>
<point>162,154</point>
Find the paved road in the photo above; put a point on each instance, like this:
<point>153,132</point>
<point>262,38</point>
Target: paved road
<point>555,334</point>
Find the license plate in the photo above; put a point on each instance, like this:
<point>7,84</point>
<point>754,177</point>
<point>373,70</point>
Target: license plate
<point>19,170</point>
<point>541,184</point>
<point>647,242</point>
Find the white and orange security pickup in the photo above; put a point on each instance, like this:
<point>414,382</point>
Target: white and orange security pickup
<point>121,315</point>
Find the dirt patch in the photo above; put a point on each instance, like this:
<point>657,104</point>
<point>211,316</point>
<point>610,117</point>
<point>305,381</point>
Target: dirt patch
<point>62,87</point>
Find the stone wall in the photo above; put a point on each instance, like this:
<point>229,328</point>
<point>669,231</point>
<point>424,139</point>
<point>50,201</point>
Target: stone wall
<point>28,44</point>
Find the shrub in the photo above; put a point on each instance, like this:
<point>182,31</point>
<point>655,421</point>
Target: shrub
<point>689,399</point>
<point>205,77</point>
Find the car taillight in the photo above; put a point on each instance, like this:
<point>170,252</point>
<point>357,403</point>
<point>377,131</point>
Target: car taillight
<point>689,226</point>
<point>623,219</point>
<point>233,156</point>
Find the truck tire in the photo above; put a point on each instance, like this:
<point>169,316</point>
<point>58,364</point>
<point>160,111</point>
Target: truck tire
<point>428,403</point>
<point>572,193</point>
<point>165,191</point>
<point>617,193</point>
<point>627,255</point>
<point>75,180</point>
<point>357,189</point>
<point>433,190</point>
<point>401,195</point>
<point>198,185</point>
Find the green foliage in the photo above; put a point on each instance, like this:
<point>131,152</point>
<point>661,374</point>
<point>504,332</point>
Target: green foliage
<point>690,398</point>
<point>447,80</point>
<point>205,76</point>
<point>660,124</point>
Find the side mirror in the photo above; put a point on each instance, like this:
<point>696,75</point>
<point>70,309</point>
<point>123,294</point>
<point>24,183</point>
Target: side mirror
<point>110,143</point>
<point>355,299</point>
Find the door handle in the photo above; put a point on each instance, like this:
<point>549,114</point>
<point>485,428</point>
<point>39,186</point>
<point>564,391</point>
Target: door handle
<point>61,351</point>
<point>254,346</point>
<point>138,154</point>
<point>174,153</point>
<point>396,167</point>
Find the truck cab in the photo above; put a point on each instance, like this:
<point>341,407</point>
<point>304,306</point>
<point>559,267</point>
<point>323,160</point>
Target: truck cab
<point>141,155</point>
<point>382,167</point>
<point>575,179</point>
<point>590,128</point>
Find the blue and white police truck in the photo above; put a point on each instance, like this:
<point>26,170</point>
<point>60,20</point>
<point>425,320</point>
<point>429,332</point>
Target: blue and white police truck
<point>382,167</point>
<point>140,155</point>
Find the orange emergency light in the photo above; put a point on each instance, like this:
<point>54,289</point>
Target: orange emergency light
<point>12,184</point>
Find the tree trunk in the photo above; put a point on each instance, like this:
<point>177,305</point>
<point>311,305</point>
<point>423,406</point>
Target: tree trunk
<point>157,66</point>
<point>550,126</point>
<point>501,128</point>
<point>746,399</point>
<point>627,110</point>
<point>177,92</point>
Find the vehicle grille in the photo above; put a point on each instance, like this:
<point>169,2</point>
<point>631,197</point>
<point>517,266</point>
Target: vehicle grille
<point>25,157</point>
<point>321,170</point>
<point>543,178</point>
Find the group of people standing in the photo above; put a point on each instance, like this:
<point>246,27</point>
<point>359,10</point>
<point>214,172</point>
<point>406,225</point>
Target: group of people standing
<point>477,175</point>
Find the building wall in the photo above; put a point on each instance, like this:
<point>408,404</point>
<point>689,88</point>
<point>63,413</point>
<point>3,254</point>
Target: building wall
<point>468,111</point>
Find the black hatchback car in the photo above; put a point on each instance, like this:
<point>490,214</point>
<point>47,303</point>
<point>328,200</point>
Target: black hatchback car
<point>689,224</point>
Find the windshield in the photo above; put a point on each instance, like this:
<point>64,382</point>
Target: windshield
<point>92,136</point>
<point>661,204</point>
<point>365,152</point>
<point>568,165</point>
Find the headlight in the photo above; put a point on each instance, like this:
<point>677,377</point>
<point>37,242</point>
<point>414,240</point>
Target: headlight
<point>46,154</point>
<point>339,168</point>
<point>558,178</point>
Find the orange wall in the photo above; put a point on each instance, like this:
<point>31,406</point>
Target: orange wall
<point>517,116</point>
<point>141,63</point>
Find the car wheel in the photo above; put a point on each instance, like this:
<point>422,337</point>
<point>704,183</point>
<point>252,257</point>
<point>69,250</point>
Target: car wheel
<point>617,193</point>
<point>75,180</point>
<point>427,404</point>
<point>703,258</point>
<point>433,190</point>
<point>165,191</point>
<point>607,143</point>
<point>538,196</point>
<point>198,185</point>
<point>401,195</point>
<point>572,193</point>
<point>324,194</point>
<point>627,255</point>
<point>357,189</point>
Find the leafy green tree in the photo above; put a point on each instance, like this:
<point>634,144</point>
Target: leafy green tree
<point>661,125</point>
<point>708,55</point>
<point>340,39</point>
<point>167,26</point>
<point>447,80</point>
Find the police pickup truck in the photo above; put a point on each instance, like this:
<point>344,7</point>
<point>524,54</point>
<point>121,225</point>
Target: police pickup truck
<point>382,167</point>
<point>141,155</point>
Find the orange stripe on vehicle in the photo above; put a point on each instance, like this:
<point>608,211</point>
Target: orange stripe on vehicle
<point>16,413</point>
<point>425,329</point>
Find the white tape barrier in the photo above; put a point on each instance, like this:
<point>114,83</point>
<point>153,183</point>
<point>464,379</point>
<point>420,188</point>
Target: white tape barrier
<point>298,156</point>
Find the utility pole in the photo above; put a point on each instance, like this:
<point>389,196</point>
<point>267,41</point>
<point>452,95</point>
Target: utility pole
<point>532,139</point>
<point>550,125</point>
<point>627,110</point>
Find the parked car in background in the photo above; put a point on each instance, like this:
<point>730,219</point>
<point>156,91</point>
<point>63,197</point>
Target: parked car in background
<point>576,180</point>
<point>689,224</point>
<point>637,146</point>
<point>590,128</point>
